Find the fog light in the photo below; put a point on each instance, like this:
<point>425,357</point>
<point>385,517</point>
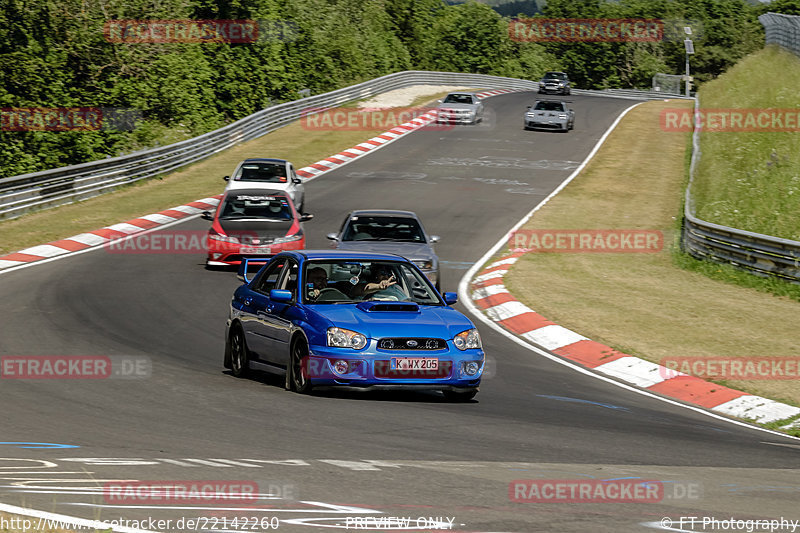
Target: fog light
<point>471,368</point>
<point>341,366</point>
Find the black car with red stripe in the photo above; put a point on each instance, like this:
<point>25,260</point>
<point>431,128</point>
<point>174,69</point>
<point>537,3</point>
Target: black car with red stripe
<point>253,224</point>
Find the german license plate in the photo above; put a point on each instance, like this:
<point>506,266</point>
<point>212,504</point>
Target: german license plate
<point>415,363</point>
<point>255,249</point>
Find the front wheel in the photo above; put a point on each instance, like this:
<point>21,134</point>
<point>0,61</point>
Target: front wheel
<point>240,364</point>
<point>459,396</point>
<point>299,368</point>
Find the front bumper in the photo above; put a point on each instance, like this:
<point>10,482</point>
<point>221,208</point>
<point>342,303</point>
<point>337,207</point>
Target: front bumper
<point>222,253</point>
<point>446,117</point>
<point>370,368</point>
<point>555,125</point>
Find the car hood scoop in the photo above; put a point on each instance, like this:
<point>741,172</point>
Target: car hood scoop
<point>378,306</point>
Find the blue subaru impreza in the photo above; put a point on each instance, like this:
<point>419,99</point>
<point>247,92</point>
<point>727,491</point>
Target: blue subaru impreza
<point>355,320</point>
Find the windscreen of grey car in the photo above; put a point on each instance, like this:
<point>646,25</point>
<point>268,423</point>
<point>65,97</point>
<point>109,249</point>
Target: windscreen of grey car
<point>458,99</point>
<point>262,172</point>
<point>376,228</point>
<point>549,106</point>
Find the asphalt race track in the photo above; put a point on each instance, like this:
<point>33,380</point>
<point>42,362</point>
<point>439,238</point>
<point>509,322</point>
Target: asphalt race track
<point>332,458</point>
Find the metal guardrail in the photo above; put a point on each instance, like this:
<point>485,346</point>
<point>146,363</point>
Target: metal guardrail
<point>783,30</point>
<point>50,188</point>
<point>760,254</point>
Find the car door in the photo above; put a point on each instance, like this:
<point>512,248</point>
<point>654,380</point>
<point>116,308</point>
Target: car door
<point>278,316</point>
<point>255,324</point>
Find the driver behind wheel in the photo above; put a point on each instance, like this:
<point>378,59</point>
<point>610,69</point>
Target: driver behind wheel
<point>384,286</point>
<point>317,280</point>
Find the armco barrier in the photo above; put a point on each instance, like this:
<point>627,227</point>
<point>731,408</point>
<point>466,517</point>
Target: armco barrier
<point>49,188</point>
<point>760,254</point>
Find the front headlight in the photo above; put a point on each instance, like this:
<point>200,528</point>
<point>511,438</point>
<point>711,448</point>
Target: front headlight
<point>562,116</point>
<point>424,265</point>
<point>344,338</point>
<point>288,238</point>
<point>467,340</point>
<point>222,238</point>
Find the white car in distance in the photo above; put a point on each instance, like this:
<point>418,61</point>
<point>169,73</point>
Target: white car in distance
<point>268,173</point>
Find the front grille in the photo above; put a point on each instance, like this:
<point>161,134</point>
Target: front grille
<point>383,370</point>
<point>411,343</point>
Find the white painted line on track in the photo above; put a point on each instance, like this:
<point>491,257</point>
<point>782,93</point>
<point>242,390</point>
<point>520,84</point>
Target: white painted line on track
<point>80,523</point>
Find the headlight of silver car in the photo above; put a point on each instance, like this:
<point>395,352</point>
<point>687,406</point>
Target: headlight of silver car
<point>468,339</point>
<point>344,338</point>
<point>424,264</point>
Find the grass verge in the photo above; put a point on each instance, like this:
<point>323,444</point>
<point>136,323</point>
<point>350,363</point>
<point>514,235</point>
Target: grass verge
<point>750,179</point>
<point>642,303</point>
<point>296,143</point>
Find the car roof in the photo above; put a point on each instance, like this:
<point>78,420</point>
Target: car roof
<point>263,160</point>
<point>383,213</point>
<point>307,255</point>
<point>256,192</point>
<point>462,92</point>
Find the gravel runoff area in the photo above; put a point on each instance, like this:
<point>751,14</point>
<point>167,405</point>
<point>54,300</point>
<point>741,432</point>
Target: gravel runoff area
<point>406,96</point>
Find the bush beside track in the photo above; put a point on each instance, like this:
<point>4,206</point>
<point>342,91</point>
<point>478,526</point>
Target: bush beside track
<point>643,304</point>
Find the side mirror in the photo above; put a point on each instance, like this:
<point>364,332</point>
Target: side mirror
<point>297,181</point>
<point>226,178</point>
<point>440,101</point>
<point>332,236</point>
<point>279,295</point>
<point>450,298</point>
<point>305,217</point>
<point>434,238</point>
<point>530,106</point>
<point>207,215</point>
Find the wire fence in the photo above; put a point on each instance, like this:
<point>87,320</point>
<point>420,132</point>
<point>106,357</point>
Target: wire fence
<point>783,30</point>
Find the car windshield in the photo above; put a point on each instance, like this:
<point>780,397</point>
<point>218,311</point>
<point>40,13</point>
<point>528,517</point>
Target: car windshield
<point>382,228</point>
<point>458,99</point>
<point>549,106</point>
<point>256,206</point>
<point>345,281</point>
<point>263,172</point>
<point>555,76</point>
